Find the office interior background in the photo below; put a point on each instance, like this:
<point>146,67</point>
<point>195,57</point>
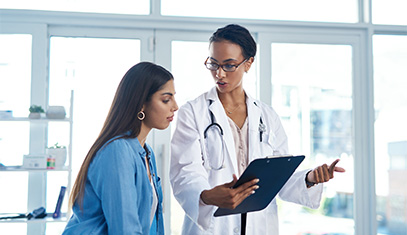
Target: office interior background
<point>335,71</point>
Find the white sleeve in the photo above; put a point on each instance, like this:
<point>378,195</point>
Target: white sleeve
<point>309,197</point>
<point>187,174</point>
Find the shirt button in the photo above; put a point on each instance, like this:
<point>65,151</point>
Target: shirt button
<point>236,230</point>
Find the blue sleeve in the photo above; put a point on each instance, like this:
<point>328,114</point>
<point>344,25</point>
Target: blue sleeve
<point>112,175</point>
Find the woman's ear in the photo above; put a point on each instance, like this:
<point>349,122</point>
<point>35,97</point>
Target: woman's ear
<point>248,64</point>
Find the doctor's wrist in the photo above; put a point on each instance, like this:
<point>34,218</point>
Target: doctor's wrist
<point>202,198</point>
<point>308,183</point>
<point>201,202</point>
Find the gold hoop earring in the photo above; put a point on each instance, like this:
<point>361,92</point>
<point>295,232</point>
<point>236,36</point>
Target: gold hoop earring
<point>141,115</point>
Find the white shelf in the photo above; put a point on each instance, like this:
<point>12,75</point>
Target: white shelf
<point>47,219</point>
<point>26,119</point>
<point>18,168</point>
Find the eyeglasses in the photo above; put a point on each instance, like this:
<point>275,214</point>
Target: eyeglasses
<point>226,67</point>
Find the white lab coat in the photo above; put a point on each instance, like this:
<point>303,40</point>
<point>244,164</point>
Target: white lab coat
<point>190,174</point>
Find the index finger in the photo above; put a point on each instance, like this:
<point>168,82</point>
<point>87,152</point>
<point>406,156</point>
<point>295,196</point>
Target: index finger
<point>332,167</point>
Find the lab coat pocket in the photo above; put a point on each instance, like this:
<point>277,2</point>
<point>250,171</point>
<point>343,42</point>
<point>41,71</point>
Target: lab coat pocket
<point>267,146</point>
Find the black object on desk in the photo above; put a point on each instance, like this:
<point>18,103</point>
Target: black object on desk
<point>38,213</point>
<point>273,173</point>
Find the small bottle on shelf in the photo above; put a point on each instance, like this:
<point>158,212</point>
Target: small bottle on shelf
<point>50,162</point>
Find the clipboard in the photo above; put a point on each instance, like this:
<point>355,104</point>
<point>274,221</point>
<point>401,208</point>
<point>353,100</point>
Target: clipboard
<point>273,173</point>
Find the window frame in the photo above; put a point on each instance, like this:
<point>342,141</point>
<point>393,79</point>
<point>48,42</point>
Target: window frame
<point>44,24</point>
<point>362,106</point>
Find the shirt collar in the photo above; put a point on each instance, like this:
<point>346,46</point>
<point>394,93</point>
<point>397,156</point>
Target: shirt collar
<point>142,151</point>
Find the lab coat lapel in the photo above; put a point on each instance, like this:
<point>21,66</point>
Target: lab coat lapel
<point>254,113</point>
<point>221,118</point>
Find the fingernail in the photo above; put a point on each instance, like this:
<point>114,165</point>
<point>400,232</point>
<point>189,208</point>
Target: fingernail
<point>253,192</point>
<point>256,187</point>
<point>257,180</point>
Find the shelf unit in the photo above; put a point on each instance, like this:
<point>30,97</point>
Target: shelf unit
<point>25,119</point>
<point>38,173</point>
<point>13,168</point>
<point>47,219</point>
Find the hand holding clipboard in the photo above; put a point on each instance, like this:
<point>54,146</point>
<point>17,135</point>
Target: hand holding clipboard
<point>227,196</point>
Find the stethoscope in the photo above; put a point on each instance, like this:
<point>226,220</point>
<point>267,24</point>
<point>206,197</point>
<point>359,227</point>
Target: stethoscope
<point>214,127</point>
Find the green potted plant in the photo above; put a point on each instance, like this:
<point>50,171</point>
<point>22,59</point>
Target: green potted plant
<point>35,111</point>
<point>59,153</point>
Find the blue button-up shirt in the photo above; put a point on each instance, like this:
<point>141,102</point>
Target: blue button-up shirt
<point>118,194</point>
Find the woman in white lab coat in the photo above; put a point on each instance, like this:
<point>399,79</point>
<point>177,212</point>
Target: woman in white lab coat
<point>219,133</point>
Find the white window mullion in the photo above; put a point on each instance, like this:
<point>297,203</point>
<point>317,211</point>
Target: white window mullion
<point>365,193</point>
<point>155,7</point>
<point>264,57</point>
<point>37,182</point>
<point>365,11</point>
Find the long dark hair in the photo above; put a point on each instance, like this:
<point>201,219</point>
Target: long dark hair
<point>135,89</point>
<point>236,34</point>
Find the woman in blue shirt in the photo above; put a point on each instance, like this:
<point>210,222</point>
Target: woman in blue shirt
<point>117,190</point>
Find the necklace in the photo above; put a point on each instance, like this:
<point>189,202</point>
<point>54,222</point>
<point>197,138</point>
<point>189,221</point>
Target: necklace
<point>230,112</point>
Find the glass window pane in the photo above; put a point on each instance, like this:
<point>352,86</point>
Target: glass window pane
<point>182,68</point>
<point>93,68</point>
<point>299,10</point>
<point>389,12</point>
<point>312,93</point>
<point>13,228</point>
<point>15,73</point>
<point>390,101</point>
<point>13,198</point>
<point>14,142</point>
<point>139,7</point>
